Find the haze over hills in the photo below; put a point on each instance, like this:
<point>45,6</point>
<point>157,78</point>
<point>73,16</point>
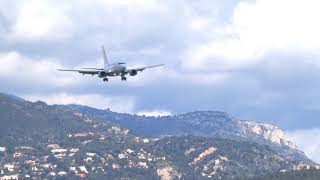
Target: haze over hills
<point>42,141</point>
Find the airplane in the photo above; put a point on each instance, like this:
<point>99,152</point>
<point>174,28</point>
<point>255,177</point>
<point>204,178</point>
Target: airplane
<point>113,69</point>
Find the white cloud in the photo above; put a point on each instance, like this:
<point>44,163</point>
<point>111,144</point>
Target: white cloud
<point>135,6</point>
<point>114,103</point>
<point>197,78</point>
<point>155,113</point>
<point>42,21</point>
<point>218,55</point>
<point>42,71</point>
<point>308,142</point>
<point>58,21</point>
<point>280,24</point>
<point>258,28</point>
<point>211,39</point>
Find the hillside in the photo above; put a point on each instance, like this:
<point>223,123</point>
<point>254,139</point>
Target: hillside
<point>203,123</point>
<point>292,175</point>
<point>39,141</point>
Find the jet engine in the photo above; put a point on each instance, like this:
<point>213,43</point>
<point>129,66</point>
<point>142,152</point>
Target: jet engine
<point>102,74</point>
<point>133,72</point>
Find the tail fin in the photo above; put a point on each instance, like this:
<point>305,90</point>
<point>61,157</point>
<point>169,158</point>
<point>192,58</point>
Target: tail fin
<point>105,59</point>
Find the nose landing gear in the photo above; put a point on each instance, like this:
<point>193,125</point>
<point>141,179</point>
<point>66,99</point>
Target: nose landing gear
<point>105,79</point>
<point>123,78</point>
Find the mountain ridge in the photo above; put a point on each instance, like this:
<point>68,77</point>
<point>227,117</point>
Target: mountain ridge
<point>196,123</point>
<point>59,141</point>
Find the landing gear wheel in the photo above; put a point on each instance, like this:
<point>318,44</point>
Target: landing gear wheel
<point>105,79</point>
<point>123,78</point>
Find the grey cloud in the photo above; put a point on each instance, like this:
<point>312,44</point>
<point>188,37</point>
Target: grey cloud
<point>281,88</point>
<point>95,26</point>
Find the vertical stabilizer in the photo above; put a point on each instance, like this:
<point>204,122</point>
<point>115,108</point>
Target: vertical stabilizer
<point>105,59</point>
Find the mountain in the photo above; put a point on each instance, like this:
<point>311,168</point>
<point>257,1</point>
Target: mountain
<point>206,124</point>
<point>20,118</point>
<point>292,175</point>
<point>202,123</point>
<point>39,141</point>
<point>221,158</point>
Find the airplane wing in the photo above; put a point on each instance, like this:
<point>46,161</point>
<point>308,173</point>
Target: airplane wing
<point>94,69</point>
<point>144,68</point>
<point>82,71</point>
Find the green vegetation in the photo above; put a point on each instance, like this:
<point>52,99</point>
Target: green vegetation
<point>293,175</point>
<point>58,142</point>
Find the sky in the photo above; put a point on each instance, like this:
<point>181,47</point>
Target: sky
<point>254,59</point>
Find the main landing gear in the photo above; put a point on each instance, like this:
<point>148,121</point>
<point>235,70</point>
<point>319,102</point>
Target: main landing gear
<point>123,78</point>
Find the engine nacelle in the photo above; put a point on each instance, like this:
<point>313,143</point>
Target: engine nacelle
<point>133,72</point>
<point>102,74</point>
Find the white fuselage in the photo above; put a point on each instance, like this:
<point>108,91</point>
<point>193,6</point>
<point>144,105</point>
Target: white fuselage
<point>115,69</point>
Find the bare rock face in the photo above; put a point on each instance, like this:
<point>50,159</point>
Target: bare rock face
<point>268,132</point>
<point>204,154</point>
<point>167,173</point>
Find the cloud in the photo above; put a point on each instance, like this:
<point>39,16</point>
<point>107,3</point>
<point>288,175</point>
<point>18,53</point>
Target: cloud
<point>256,29</point>
<point>252,59</point>
<point>118,104</point>
<point>168,73</point>
<point>272,24</point>
<point>38,72</point>
<point>41,21</point>
<point>308,141</point>
<point>136,7</point>
<point>154,113</point>
<point>58,21</point>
